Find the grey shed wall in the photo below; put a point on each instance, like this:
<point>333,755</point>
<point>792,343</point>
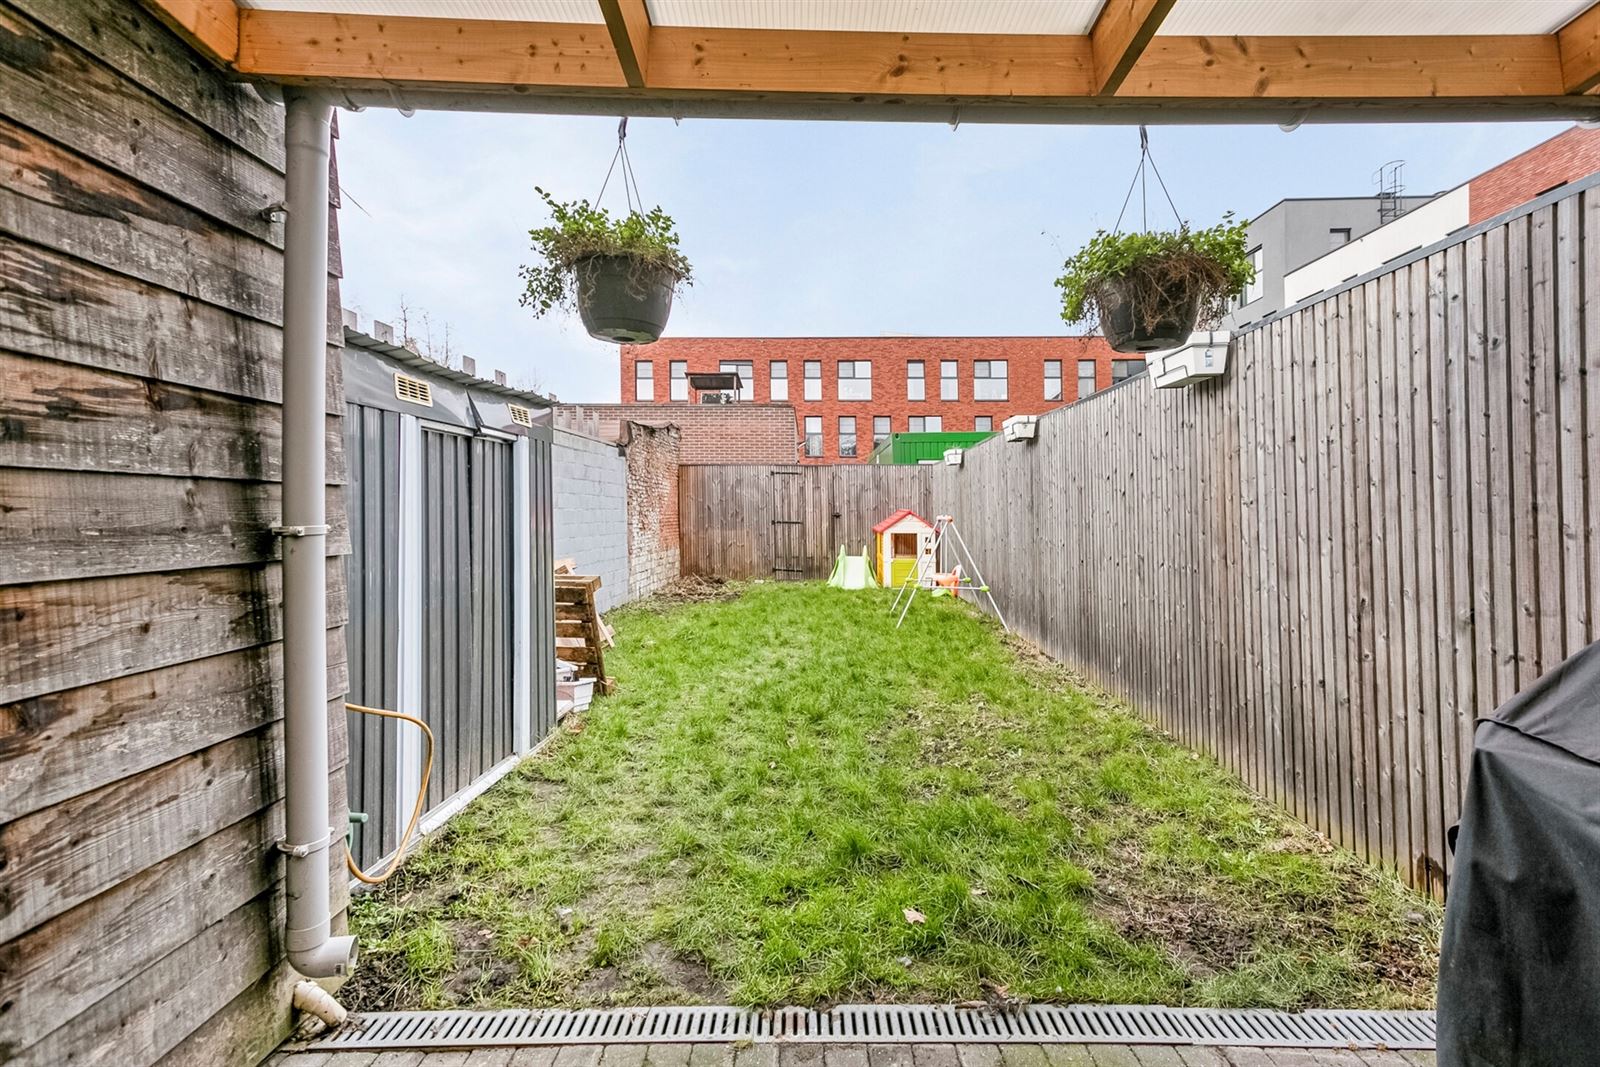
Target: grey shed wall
<point>591,511</point>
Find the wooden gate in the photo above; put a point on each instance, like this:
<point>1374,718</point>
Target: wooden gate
<point>788,525</point>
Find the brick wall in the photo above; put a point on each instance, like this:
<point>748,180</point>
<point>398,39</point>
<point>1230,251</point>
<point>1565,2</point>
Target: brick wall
<point>1024,356</point>
<point>590,479</point>
<point>709,433</point>
<point>653,455</point>
<point>1566,157</point>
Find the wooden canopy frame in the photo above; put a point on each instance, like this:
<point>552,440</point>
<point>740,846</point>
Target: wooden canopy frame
<point>1120,67</point>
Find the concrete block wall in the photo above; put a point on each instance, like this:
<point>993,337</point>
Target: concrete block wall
<point>591,512</point>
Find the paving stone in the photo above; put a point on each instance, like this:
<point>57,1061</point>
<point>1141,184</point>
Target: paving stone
<point>576,1056</point>
<point>488,1057</point>
<point>1023,1056</point>
<point>622,1056</point>
<point>844,1055</point>
<point>889,1055</point>
<point>534,1056</point>
<point>1069,1055</point>
<point>1157,1056</point>
<point>396,1058</point>
<point>1197,1056</point>
<point>667,1054</point>
<point>453,1058</point>
<point>352,1059</point>
<point>979,1055</point>
<point>798,1054</point>
<point>758,1054</point>
<point>935,1056</point>
<point>1113,1056</point>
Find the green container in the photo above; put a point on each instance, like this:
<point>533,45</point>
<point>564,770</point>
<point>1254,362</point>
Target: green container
<point>925,447</point>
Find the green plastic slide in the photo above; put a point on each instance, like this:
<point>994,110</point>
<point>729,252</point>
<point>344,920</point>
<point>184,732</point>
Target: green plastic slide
<point>852,572</point>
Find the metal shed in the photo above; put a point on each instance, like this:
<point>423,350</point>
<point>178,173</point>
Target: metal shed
<point>450,580</point>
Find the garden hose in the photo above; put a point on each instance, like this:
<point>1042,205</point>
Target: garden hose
<point>416,811</point>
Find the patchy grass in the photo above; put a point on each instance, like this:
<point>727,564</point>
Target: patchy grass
<point>780,776</point>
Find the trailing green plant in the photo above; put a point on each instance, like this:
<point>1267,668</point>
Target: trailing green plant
<point>579,231</point>
<point>1157,272</point>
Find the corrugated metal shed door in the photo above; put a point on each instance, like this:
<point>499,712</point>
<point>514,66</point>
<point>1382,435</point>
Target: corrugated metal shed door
<point>372,500</point>
<point>466,608</point>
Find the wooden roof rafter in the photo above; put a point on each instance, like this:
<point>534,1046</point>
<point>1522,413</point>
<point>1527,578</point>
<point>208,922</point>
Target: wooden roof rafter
<point>1122,64</point>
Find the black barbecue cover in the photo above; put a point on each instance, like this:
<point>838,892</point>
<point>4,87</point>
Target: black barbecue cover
<point>1519,982</point>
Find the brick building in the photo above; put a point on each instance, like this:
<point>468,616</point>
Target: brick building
<point>1568,156</point>
<point>846,393</point>
<point>750,434</point>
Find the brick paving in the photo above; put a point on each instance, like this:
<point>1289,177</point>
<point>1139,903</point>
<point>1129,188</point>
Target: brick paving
<point>810,1054</point>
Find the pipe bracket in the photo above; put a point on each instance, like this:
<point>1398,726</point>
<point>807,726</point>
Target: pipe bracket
<point>299,531</point>
<point>311,849</point>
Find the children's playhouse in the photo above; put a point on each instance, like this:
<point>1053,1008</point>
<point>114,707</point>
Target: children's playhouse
<point>898,542</point>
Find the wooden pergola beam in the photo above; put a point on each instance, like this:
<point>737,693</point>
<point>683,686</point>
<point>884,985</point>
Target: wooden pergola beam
<point>211,27</point>
<point>629,24</point>
<point>305,47</point>
<point>1579,44</point>
<point>768,66</point>
<point>1120,34</point>
<point>1348,68</point>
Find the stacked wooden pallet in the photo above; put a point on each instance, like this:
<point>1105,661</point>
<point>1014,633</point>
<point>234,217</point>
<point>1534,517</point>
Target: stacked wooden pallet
<point>581,636</point>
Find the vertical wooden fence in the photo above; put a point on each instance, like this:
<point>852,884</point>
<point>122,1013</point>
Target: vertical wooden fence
<point>788,522</point>
<point>1382,523</point>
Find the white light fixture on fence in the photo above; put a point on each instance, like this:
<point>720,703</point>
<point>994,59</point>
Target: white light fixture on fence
<point>1205,355</point>
<point>952,456</point>
<point>1020,427</point>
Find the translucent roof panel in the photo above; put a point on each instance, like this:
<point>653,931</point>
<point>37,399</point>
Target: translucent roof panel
<point>1323,18</point>
<point>905,16</point>
<point>502,10</point>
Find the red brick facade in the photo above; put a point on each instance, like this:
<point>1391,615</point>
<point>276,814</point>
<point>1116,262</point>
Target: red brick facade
<point>746,434</point>
<point>1569,155</point>
<point>653,454</point>
<point>890,357</point>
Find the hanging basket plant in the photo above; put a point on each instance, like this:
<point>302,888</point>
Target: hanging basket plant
<point>619,274</point>
<point>1149,291</point>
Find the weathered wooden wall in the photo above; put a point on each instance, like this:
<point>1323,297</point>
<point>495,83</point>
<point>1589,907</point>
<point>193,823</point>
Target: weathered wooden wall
<point>140,763</point>
<point>1382,523</point>
<point>732,519</point>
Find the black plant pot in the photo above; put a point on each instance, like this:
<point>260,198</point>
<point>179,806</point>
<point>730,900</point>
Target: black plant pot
<point>620,303</point>
<point>1123,321</point>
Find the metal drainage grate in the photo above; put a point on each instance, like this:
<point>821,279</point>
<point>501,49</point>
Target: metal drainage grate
<point>1151,1025</point>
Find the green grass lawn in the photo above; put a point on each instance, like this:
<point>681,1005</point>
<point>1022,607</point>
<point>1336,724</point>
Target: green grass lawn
<point>789,801</point>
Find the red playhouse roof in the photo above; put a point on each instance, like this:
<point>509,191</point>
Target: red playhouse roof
<point>897,516</point>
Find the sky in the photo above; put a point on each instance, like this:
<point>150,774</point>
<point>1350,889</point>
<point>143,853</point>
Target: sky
<point>812,228</point>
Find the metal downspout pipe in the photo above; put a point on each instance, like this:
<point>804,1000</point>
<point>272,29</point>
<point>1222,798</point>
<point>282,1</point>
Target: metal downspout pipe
<point>312,949</point>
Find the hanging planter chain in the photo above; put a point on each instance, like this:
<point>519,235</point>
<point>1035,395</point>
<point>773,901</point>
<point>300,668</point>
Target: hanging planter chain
<point>1139,180</point>
<point>630,184</point>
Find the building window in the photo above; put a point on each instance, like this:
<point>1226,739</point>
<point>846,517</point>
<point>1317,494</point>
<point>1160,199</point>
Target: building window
<point>847,436</point>
<point>1052,379</point>
<point>644,382</point>
<point>1338,235</point>
<point>983,424</point>
<point>746,370</point>
<point>1253,291</point>
<point>855,379</point>
<point>949,383</point>
<point>1123,369</point>
<point>927,423</point>
<point>678,384</point>
<point>778,381</point>
<point>1086,378</point>
<point>813,372</point>
<point>989,379</point>
<point>813,435</point>
<point>915,385</point>
<point>880,429</point>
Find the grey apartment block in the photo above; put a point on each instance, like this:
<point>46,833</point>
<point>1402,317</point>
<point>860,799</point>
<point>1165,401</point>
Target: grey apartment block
<point>591,511</point>
<point>1291,233</point>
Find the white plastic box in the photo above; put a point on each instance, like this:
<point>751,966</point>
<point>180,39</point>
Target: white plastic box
<point>1203,356</point>
<point>1021,427</point>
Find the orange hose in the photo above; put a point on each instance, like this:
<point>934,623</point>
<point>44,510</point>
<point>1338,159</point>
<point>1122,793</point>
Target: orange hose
<point>416,811</point>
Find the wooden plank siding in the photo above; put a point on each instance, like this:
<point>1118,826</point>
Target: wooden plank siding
<point>1322,568</point>
<point>141,779</point>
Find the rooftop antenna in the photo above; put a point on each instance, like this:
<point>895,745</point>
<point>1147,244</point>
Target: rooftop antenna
<point>1387,179</point>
